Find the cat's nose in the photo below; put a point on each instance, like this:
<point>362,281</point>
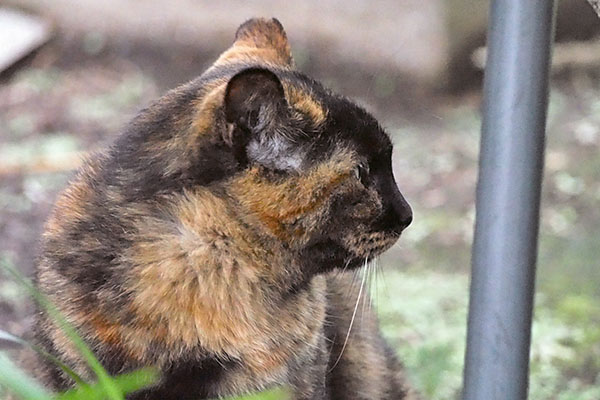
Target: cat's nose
<point>404,214</point>
<point>397,211</point>
<point>402,210</point>
<point>406,220</point>
<point>396,217</point>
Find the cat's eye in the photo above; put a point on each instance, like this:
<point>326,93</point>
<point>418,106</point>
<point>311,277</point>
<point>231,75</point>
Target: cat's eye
<point>361,171</point>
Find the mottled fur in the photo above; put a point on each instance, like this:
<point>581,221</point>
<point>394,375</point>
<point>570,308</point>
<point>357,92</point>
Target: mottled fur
<point>209,240</point>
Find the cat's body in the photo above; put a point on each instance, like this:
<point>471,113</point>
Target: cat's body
<point>217,239</point>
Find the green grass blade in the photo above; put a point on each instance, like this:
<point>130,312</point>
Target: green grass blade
<point>136,380</point>
<point>11,338</point>
<point>127,383</point>
<point>17,381</point>
<point>273,394</point>
<point>111,390</point>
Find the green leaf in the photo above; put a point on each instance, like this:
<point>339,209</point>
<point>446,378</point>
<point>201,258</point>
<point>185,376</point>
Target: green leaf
<point>17,381</point>
<point>127,383</point>
<point>274,394</point>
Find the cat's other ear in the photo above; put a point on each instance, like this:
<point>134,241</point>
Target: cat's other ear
<point>254,100</point>
<point>259,40</point>
<point>262,33</point>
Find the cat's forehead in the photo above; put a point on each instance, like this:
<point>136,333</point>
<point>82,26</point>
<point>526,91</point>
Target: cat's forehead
<point>357,126</point>
<point>343,119</point>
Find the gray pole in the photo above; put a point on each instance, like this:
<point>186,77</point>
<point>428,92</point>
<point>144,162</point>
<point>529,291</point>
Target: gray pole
<point>508,198</point>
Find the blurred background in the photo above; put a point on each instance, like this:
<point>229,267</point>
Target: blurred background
<point>87,67</point>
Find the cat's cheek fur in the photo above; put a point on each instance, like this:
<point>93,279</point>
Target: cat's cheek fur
<point>276,153</point>
<point>294,208</point>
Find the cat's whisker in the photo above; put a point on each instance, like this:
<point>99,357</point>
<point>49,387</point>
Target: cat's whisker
<point>339,271</point>
<point>372,273</point>
<point>382,272</point>
<point>375,267</point>
<point>360,290</point>
<point>367,272</point>
<point>355,273</point>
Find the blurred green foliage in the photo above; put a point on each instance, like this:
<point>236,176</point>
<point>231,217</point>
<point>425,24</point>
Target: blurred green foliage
<point>426,321</point>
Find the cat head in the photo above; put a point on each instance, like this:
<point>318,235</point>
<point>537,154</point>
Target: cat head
<point>300,165</point>
<point>316,168</point>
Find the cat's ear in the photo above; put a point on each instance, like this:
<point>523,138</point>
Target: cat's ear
<point>254,100</point>
<point>257,117</point>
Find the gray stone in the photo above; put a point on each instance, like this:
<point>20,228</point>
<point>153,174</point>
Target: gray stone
<point>20,34</point>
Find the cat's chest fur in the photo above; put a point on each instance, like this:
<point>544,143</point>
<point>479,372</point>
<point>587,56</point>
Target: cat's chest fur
<point>284,346</point>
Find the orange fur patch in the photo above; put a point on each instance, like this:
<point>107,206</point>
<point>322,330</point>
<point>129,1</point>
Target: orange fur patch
<point>305,103</point>
<point>252,55</point>
<point>205,274</point>
<point>208,106</point>
<point>71,204</point>
<point>285,207</point>
<point>106,331</point>
<point>261,33</point>
<point>259,40</point>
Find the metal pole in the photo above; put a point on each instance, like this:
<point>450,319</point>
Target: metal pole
<point>508,198</point>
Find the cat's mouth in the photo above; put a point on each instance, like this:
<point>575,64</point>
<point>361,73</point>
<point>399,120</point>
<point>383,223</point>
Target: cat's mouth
<point>326,255</point>
<point>351,252</point>
<point>370,245</point>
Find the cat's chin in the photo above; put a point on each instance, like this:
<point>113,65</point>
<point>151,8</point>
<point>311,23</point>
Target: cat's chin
<point>326,255</point>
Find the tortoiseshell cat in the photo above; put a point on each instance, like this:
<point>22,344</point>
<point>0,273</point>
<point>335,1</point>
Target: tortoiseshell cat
<point>213,240</point>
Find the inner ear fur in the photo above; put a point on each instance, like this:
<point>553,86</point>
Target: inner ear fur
<point>254,100</point>
<point>254,104</point>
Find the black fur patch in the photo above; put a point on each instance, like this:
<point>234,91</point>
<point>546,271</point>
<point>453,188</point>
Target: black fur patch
<point>189,380</point>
